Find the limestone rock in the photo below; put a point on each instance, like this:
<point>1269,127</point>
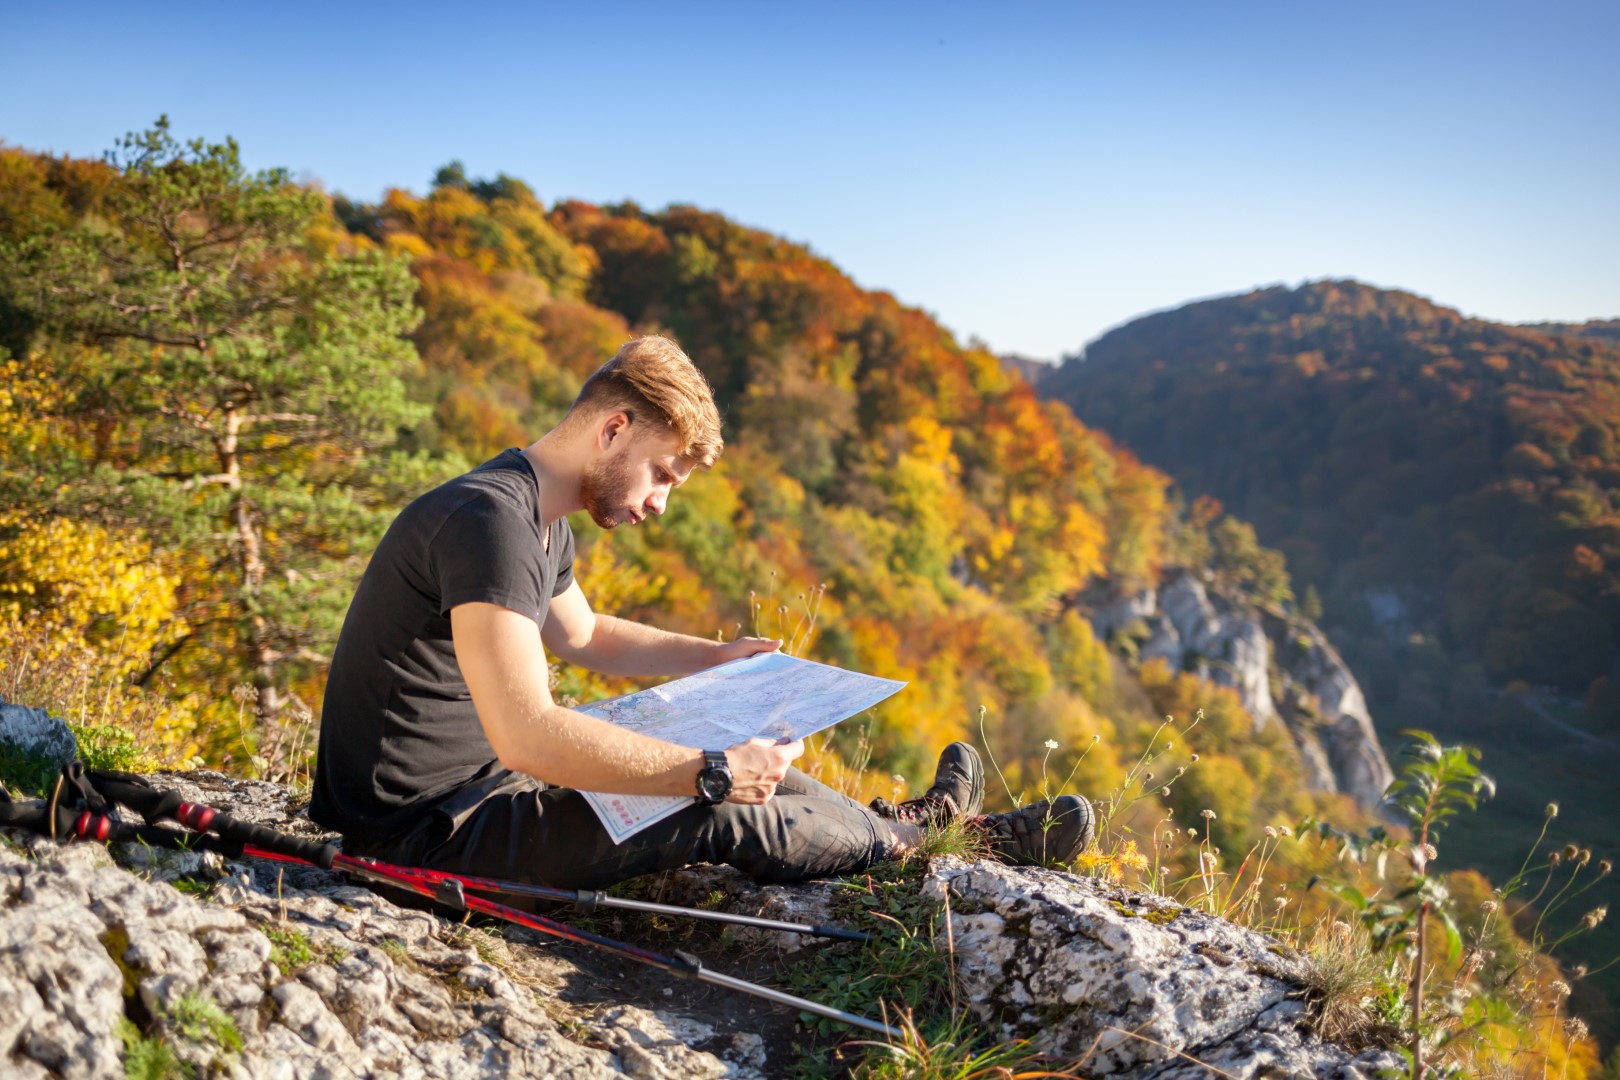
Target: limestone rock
<point>1228,641</point>
<point>36,733</point>
<point>1132,985</point>
<point>320,978</point>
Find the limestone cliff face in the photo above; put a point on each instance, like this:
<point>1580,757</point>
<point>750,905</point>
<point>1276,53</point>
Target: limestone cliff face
<point>1283,667</point>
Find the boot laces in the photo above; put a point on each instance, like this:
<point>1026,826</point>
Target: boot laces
<point>928,809</point>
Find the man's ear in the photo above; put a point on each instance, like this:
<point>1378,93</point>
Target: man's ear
<point>612,427</point>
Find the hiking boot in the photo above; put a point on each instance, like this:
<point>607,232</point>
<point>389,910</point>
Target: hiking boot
<point>1041,833</point>
<point>957,793</point>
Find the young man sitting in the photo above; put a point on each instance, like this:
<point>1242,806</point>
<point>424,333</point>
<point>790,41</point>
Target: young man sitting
<point>440,743</point>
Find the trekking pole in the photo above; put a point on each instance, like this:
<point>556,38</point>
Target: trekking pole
<point>153,804</point>
<point>214,830</point>
<point>588,900</point>
<point>450,893</point>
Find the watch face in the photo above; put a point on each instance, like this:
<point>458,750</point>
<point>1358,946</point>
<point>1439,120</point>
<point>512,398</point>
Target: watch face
<point>714,785</point>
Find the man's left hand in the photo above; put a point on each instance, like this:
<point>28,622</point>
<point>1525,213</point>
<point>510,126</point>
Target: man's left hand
<point>745,646</point>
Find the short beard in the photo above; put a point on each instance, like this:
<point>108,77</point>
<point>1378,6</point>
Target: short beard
<point>604,491</point>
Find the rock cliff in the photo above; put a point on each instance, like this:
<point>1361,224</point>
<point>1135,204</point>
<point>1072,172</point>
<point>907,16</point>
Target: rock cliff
<point>1281,665</point>
<point>260,970</point>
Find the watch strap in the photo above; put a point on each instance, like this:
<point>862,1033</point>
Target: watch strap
<point>715,768</point>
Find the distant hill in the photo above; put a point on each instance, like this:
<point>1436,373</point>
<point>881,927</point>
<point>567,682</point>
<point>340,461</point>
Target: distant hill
<point>1606,329</point>
<point>1449,486</point>
<point>1033,371</point>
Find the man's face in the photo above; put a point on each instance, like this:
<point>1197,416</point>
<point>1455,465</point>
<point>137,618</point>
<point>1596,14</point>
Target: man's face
<point>633,477</point>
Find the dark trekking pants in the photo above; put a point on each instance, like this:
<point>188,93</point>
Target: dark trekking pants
<point>511,826</point>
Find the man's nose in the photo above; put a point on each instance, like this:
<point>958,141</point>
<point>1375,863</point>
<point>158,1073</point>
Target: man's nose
<point>657,500</point>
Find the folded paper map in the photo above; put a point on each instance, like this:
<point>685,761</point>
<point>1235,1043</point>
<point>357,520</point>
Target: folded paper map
<point>767,696</point>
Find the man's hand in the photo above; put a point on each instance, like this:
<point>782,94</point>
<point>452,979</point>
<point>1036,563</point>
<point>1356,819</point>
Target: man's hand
<point>746,646</point>
<point>758,765</point>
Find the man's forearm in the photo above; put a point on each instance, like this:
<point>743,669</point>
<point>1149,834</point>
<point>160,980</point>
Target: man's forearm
<point>501,658</point>
<point>621,647</point>
<point>569,749</point>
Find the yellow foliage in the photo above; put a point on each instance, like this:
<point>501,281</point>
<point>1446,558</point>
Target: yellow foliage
<point>1079,659</point>
<point>1081,539</point>
<point>26,398</point>
<point>88,688</point>
<point>1112,865</point>
<point>1226,725</point>
<point>89,587</point>
<point>611,585</point>
<point>852,775</point>
<point>407,244</point>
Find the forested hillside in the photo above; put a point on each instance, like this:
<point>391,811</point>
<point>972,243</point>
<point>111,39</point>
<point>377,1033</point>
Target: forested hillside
<point>1450,487</point>
<point>231,426</point>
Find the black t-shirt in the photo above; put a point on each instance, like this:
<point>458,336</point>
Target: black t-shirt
<point>398,728</point>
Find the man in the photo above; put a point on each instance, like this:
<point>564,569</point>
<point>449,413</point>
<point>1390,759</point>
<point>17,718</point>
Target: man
<point>441,745</point>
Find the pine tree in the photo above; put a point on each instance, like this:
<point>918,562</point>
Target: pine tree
<point>1311,606</point>
<point>228,386</point>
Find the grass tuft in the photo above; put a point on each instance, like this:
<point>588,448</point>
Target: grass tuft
<point>201,1020</point>
<point>1343,978</point>
<point>148,1058</point>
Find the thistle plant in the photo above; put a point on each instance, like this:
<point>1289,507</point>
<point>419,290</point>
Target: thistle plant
<point>1435,783</point>
<point>1142,781</point>
<point>1568,873</point>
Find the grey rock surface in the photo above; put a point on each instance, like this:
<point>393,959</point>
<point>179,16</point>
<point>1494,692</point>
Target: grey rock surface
<point>321,978</point>
<point>1130,985</point>
<point>1329,708</point>
<point>37,733</point>
<point>1226,641</point>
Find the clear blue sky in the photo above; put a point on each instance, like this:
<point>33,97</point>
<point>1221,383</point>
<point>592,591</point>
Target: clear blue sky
<point>1030,173</point>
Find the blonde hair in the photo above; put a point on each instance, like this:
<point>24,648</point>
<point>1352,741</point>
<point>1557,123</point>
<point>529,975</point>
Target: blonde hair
<point>651,377</point>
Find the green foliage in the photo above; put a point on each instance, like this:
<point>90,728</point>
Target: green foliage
<point>25,774</point>
<point>200,1019</point>
<point>148,1058</point>
<point>1494,1004</point>
<point>191,1016</point>
<point>290,949</point>
<point>1436,782</point>
<point>1311,606</point>
<point>111,746</point>
<point>904,969</point>
<point>227,383</point>
<point>954,1050</point>
<point>1261,572</point>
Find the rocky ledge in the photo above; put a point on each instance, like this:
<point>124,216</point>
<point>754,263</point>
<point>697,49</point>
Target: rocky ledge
<point>260,970</point>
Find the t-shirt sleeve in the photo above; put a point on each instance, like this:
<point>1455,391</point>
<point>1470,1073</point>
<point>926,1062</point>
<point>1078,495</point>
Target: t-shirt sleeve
<point>563,557</point>
<point>485,552</point>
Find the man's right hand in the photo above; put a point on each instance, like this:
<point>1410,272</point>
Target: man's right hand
<point>757,766</point>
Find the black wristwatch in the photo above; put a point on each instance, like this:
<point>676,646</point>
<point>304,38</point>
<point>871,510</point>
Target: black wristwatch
<point>714,779</point>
